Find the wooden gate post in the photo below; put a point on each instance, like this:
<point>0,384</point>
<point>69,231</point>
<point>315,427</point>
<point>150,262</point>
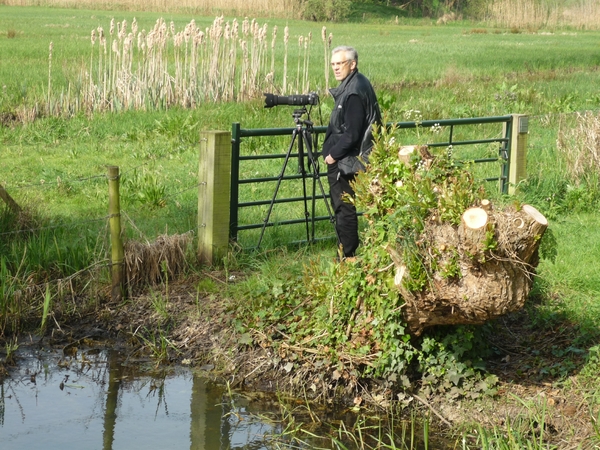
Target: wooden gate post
<point>117,254</point>
<point>518,151</point>
<point>214,181</point>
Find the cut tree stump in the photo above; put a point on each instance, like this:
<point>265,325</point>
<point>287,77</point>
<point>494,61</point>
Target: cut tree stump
<point>405,154</point>
<point>495,254</point>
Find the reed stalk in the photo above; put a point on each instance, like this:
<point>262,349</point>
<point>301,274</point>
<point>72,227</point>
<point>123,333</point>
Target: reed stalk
<point>298,72</point>
<point>286,38</point>
<point>46,307</point>
<point>305,83</point>
<point>50,78</point>
<point>326,56</point>
<point>273,40</point>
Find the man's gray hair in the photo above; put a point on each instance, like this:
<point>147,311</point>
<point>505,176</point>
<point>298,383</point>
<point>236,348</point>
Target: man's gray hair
<point>351,53</point>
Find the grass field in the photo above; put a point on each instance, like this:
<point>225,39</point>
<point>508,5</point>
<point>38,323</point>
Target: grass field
<point>54,165</point>
<point>451,71</point>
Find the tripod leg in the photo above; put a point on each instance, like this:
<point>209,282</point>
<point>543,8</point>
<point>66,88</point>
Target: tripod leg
<point>281,174</point>
<point>301,167</point>
<point>317,179</point>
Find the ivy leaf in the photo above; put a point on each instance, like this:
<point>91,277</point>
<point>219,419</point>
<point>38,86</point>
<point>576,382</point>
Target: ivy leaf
<point>277,289</point>
<point>454,377</point>
<point>245,339</point>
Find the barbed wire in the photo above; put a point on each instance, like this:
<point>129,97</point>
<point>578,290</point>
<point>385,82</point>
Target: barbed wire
<point>103,218</point>
<point>52,183</point>
<point>59,180</point>
<point>134,209</point>
<point>50,227</point>
<point>140,233</point>
<point>186,189</point>
<point>178,193</point>
<point>133,169</point>
<point>580,111</point>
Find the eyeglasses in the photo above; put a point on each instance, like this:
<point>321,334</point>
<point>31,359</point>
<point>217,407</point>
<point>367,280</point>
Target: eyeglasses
<point>339,64</point>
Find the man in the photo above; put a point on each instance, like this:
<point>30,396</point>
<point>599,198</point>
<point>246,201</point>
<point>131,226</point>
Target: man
<point>348,140</point>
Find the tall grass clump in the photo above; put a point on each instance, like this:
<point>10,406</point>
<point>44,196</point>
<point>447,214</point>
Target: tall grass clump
<point>580,146</point>
<point>150,263</point>
<point>269,8</point>
<point>131,68</point>
<point>9,285</point>
<point>306,425</point>
<point>528,14</point>
<point>42,264</point>
<point>579,149</point>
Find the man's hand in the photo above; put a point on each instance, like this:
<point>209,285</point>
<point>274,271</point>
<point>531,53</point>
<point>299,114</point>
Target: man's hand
<point>329,160</point>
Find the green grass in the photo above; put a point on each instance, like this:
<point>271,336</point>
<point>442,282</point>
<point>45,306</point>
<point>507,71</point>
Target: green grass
<point>55,167</point>
<point>572,275</point>
<point>391,55</point>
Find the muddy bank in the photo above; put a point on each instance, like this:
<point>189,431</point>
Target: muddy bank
<point>182,324</point>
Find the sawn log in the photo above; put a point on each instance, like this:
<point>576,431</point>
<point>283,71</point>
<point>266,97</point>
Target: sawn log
<point>494,255</point>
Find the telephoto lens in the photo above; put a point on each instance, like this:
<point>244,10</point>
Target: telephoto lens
<point>295,100</point>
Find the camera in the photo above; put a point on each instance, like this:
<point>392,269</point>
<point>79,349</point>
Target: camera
<point>296,100</point>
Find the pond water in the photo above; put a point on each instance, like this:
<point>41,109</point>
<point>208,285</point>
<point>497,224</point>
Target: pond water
<point>92,400</point>
<point>100,399</point>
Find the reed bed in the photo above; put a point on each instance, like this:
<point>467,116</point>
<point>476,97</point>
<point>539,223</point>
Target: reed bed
<point>271,8</point>
<point>150,263</point>
<point>534,14</point>
<point>579,147</point>
<point>131,68</point>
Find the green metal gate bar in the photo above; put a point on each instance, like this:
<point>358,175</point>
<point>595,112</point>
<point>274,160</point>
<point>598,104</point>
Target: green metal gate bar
<point>238,134</point>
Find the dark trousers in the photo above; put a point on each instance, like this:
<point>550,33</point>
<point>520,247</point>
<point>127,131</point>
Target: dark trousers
<point>346,221</point>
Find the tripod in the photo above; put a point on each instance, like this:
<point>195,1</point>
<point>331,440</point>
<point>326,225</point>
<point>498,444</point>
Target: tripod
<point>303,134</point>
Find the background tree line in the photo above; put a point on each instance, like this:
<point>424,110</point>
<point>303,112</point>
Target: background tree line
<point>582,14</point>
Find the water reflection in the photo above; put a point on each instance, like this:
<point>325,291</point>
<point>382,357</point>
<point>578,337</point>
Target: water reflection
<point>94,401</point>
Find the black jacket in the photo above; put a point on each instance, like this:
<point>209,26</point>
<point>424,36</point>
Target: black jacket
<point>349,137</point>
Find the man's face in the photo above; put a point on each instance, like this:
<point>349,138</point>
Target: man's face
<point>341,65</point>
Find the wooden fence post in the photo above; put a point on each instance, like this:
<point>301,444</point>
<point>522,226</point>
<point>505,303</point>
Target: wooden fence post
<point>518,151</point>
<point>214,181</point>
<point>12,205</point>
<point>117,257</point>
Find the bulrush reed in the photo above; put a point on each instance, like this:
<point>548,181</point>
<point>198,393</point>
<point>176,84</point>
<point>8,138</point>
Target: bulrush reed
<point>528,14</point>
<point>271,8</point>
<point>327,50</point>
<point>579,147</point>
<point>164,67</point>
<point>50,47</point>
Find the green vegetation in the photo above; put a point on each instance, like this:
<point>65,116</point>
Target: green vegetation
<point>53,258</point>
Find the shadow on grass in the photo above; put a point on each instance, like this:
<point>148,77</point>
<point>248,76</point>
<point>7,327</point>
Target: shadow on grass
<point>542,343</point>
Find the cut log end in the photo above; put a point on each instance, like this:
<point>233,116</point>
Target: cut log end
<point>475,218</point>
<point>399,275</point>
<point>405,153</point>
<point>535,214</point>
